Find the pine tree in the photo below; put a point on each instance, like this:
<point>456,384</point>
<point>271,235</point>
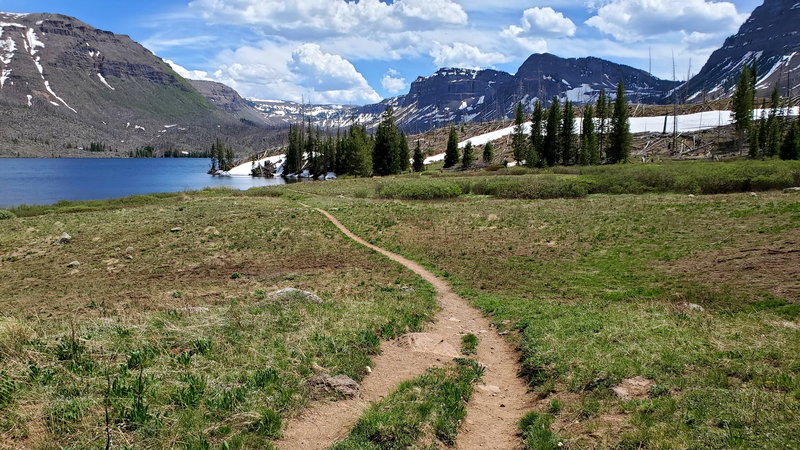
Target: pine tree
<point>360,151</point>
<point>743,106</point>
<point>403,156</point>
<point>451,154</point>
<point>213,168</point>
<point>790,148</point>
<point>567,134</point>
<point>230,158</point>
<point>773,126</point>
<point>386,153</point>
<point>589,152</point>
<point>537,139</point>
<point>602,116</point>
<point>619,140</point>
<point>468,157</point>
<point>294,152</point>
<point>519,143</point>
<point>488,153</point>
<point>419,159</point>
<point>552,136</point>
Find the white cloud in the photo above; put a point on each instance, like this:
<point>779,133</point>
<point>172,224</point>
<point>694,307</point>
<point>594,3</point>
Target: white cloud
<point>635,20</point>
<point>546,22</point>
<point>330,75</point>
<point>318,18</point>
<point>188,74</point>
<point>460,54</point>
<point>393,83</point>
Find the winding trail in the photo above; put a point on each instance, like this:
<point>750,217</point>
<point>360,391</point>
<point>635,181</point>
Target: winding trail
<point>495,408</point>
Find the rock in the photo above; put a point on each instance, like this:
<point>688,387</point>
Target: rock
<point>176,230</point>
<point>691,195</point>
<point>128,256</point>
<point>407,289</point>
<point>63,239</point>
<point>428,343</point>
<point>369,369</point>
<point>194,309</point>
<point>129,249</point>
<point>635,388</point>
<point>453,319</point>
<point>74,264</point>
<point>791,190</point>
<point>489,389</point>
<point>753,194</point>
<point>292,293</point>
<point>695,307</point>
<point>340,385</point>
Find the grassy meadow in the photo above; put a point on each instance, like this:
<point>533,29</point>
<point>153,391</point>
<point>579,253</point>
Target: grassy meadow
<point>676,273</point>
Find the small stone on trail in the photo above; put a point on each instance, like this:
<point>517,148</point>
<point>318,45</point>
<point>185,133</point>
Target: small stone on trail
<point>176,230</point>
<point>489,389</point>
<point>74,264</point>
<point>340,384</point>
<point>288,293</point>
<point>635,388</point>
<point>369,369</point>
<point>695,307</point>
<point>453,319</point>
<point>63,239</point>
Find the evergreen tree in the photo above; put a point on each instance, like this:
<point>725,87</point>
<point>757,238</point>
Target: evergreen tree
<point>359,151</point>
<point>213,158</point>
<point>602,116</point>
<point>403,155</point>
<point>619,139</point>
<point>451,154</point>
<point>230,158</point>
<point>773,126</point>
<point>419,159</point>
<point>551,142</point>
<point>469,156</point>
<point>790,147</point>
<point>743,106</point>
<point>567,134</point>
<point>294,152</point>
<point>519,143</point>
<point>488,153</point>
<point>386,153</point>
<point>537,139</point>
<point>589,151</point>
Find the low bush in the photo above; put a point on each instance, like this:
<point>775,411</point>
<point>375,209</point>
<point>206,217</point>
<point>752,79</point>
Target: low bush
<point>6,214</point>
<point>419,189</point>
<point>535,187</point>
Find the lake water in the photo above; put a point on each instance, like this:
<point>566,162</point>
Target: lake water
<point>39,181</point>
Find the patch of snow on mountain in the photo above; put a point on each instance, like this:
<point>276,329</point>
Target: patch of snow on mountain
<point>30,100</point>
<point>4,76</point>
<point>33,41</point>
<point>103,79</point>
<point>137,127</point>
<point>245,169</point>
<point>47,86</point>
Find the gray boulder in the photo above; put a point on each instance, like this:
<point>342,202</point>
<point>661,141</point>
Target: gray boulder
<point>340,385</point>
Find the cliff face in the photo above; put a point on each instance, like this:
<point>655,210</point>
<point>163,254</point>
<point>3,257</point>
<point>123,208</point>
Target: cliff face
<point>771,37</point>
<point>64,84</point>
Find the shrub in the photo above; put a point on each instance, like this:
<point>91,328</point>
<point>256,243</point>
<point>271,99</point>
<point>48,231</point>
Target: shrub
<point>536,187</point>
<point>6,214</point>
<point>419,189</point>
<point>536,432</point>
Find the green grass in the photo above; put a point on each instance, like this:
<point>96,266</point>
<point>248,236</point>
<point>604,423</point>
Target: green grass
<point>153,324</point>
<point>591,286</point>
<point>469,344</point>
<point>420,413</point>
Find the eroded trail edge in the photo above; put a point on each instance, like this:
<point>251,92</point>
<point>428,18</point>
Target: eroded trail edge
<point>495,408</point>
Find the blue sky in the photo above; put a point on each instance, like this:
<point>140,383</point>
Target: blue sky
<point>338,51</point>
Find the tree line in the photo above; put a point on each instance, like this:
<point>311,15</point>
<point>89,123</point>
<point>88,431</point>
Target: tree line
<point>774,132</point>
<point>553,139</point>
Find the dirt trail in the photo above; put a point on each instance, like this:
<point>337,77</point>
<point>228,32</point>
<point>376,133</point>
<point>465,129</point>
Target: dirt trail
<point>496,405</point>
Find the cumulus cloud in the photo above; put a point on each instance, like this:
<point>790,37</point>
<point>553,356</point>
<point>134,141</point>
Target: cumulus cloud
<point>289,72</point>
<point>635,20</point>
<point>188,74</point>
<point>460,54</point>
<point>393,83</point>
<point>319,18</point>
<point>542,22</point>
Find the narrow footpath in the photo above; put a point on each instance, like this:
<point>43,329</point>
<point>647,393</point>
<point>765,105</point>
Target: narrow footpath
<point>495,408</point>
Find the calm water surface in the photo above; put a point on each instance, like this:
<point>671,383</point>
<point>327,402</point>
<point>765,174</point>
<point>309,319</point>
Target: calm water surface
<point>39,181</point>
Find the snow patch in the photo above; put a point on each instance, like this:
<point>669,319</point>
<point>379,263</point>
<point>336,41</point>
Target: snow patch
<point>103,79</point>
<point>30,100</point>
<point>4,76</point>
<point>170,126</point>
<point>14,15</point>
<point>47,86</point>
<point>137,127</point>
<point>245,169</point>
<point>33,41</point>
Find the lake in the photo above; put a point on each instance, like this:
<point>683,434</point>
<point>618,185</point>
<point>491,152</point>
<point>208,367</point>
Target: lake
<point>39,181</point>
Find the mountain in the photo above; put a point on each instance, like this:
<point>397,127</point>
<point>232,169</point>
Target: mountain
<point>65,84</point>
<point>282,112</point>
<point>771,37</point>
<point>453,95</point>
